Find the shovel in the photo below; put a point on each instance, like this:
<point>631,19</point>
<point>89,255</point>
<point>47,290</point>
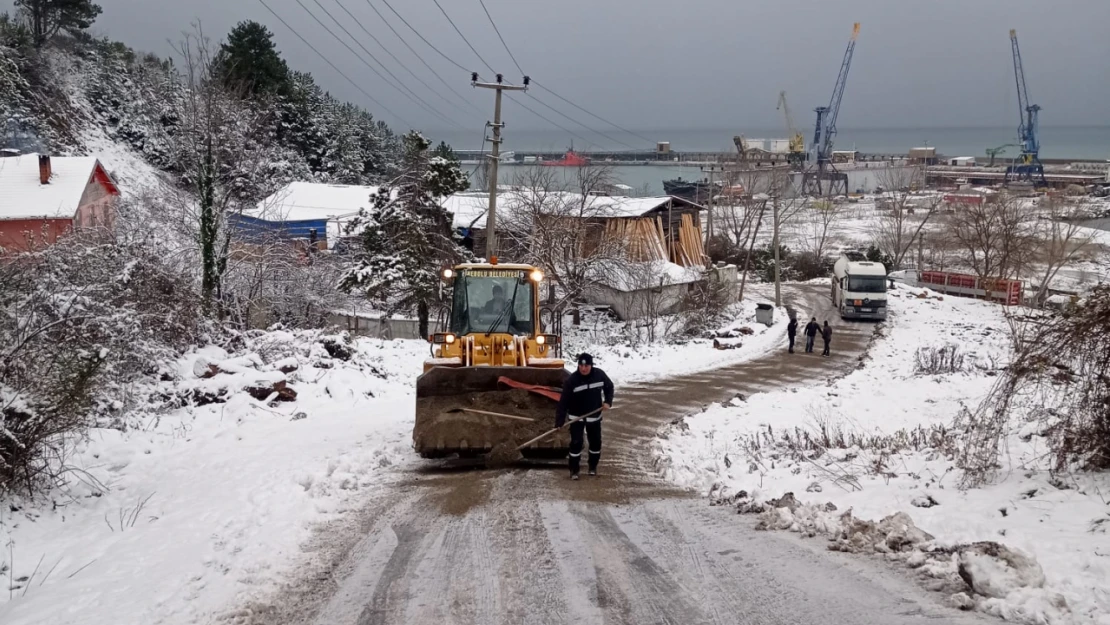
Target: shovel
<point>553,430</point>
<point>492,414</point>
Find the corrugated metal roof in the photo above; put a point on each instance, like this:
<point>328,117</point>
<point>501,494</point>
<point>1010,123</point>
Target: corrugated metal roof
<point>470,208</point>
<point>22,196</point>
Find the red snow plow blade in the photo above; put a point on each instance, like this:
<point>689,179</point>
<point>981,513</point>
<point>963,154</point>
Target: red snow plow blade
<point>549,392</point>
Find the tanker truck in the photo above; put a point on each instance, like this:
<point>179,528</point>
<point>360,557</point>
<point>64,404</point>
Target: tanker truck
<point>859,287</point>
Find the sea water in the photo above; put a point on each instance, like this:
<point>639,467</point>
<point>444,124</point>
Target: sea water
<point>1080,142</point>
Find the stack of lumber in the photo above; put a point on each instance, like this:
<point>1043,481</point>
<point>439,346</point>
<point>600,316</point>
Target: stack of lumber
<point>642,238</point>
<point>688,250</point>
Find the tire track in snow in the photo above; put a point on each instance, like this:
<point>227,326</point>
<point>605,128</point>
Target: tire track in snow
<point>653,596</point>
<point>531,590</point>
<point>586,602</point>
<point>391,593</point>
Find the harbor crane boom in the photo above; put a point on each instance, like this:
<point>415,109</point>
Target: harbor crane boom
<point>824,133</point>
<point>1029,168</point>
<point>796,154</point>
<point>994,152</point>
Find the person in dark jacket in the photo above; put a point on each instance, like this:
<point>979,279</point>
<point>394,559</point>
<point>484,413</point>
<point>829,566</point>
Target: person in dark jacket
<point>826,336</point>
<point>586,390</point>
<point>792,331</point>
<point>811,334</point>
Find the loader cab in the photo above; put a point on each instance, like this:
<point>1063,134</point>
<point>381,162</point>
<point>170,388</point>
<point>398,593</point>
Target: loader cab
<point>494,300</point>
<point>494,319</point>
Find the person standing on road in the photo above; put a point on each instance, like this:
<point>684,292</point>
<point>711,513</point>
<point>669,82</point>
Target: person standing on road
<point>811,334</point>
<point>792,331</point>
<point>586,392</point>
<point>826,336</point>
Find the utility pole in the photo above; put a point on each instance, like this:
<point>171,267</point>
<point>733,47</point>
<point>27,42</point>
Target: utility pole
<point>711,169</point>
<point>495,154</point>
<point>775,243</point>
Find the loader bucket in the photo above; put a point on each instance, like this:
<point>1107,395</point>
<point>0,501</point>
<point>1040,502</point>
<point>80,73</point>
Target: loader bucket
<point>444,427</point>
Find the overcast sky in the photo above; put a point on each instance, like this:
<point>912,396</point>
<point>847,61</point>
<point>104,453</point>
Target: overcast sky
<point>646,64</point>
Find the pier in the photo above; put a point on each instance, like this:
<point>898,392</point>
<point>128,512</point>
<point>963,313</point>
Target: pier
<point>698,158</point>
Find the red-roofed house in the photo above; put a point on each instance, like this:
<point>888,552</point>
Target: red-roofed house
<point>43,198</point>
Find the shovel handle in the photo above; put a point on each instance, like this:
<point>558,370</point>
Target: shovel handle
<point>497,414</point>
<point>553,430</point>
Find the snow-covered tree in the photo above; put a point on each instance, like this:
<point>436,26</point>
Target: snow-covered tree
<point>444,150</point>
<point>407,235</point>
<point>249,60</point>
<point>224,152</point>
<point>47,18</point>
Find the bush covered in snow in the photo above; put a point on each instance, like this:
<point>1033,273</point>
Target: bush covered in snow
<point>80,323</point>
<point>1058,387</point>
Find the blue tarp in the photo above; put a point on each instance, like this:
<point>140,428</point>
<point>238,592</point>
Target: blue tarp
<point>254,229</point>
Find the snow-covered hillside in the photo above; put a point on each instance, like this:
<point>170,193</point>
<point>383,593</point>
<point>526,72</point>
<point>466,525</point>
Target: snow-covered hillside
<point>189,511</point>
<point>878,441</point>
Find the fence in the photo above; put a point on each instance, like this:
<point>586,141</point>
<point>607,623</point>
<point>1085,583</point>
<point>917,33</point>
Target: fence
<point>1009,292</point>
<point>376,327</point>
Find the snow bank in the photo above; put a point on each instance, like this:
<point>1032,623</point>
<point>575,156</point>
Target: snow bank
<point>202,507</point>
<point>877,442</point>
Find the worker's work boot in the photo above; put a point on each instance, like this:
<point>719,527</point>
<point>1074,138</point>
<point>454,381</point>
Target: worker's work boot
<point>574,476</point>
<point>593,472</point>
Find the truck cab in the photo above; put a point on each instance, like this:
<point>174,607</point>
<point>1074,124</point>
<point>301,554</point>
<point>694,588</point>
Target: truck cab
<point>859,287</point>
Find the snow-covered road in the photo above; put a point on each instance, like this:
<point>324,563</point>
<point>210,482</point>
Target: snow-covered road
<point>526,545</point>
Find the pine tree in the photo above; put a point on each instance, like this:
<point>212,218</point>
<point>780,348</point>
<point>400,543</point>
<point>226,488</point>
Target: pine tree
<point>407,235</point>
<point>249,60</point>
<point>444,151</point>
<point>47,18</point>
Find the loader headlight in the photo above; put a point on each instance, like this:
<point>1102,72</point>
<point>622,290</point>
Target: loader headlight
<point>548,339</point>
<point>537,276</point>
<point>441,338</point>
<point>541,339</point>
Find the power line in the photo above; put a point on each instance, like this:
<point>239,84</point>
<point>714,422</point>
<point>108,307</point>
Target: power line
<point>481,153</point>
<point>549,107</point>
<point>463,36</point>
<point>412,97</point>
<point>409,93</point>
<point>568,117</point>
<point>495,29</point>
<point>394,57</point>
<point>332,65</point>
<point>555,124</point>
<point>417,55</point>
<point>449,59</point>
<point>598,117</point>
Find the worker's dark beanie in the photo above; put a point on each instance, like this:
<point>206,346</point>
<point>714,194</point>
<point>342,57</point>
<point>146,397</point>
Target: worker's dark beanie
<point>585,359</point>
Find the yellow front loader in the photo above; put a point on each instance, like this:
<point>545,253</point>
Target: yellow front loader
<point>493,362</point>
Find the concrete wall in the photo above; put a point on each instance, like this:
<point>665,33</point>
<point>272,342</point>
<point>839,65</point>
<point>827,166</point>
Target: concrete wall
<point>641,303</point>
<point>729,277</point>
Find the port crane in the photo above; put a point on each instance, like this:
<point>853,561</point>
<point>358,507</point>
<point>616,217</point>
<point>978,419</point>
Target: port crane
<point>994,152</point>
<point>823,178</point>
<point>796,146</point>
<point>1029,167</point>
